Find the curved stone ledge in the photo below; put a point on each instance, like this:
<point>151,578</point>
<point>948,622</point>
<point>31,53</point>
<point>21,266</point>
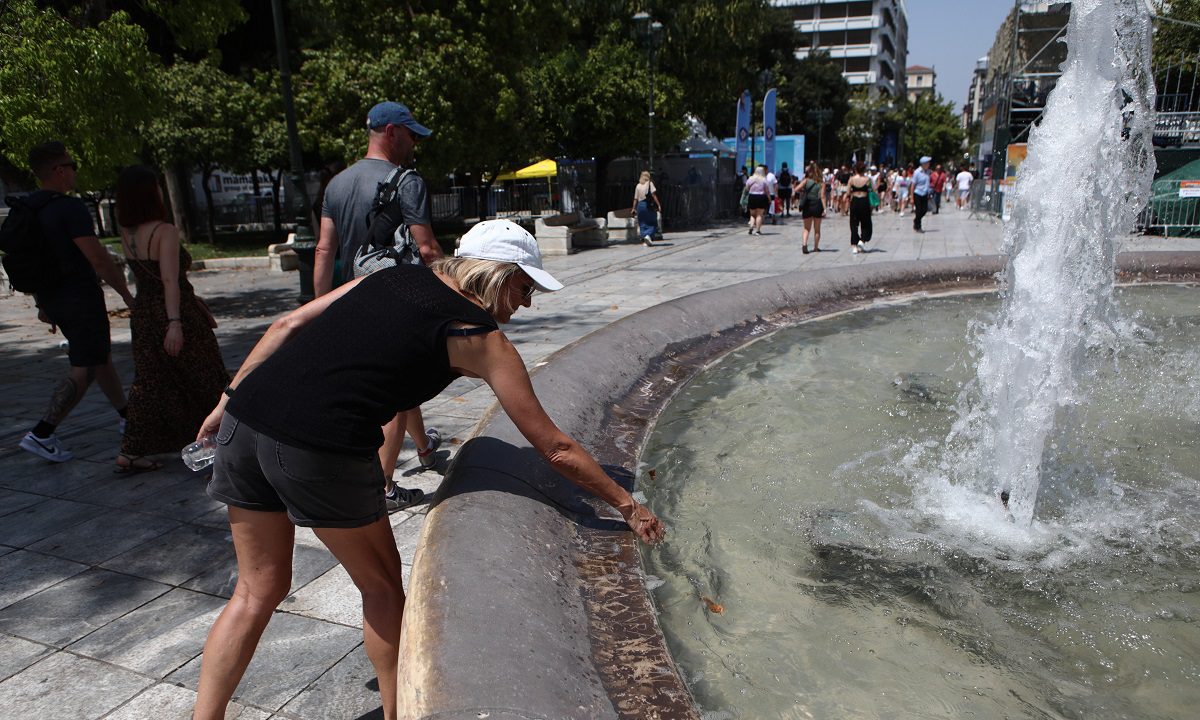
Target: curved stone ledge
<point>528,599</point>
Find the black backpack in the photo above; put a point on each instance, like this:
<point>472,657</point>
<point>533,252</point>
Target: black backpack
<point>785,179</point>
<point>389,241</point>
<point>29,259</point>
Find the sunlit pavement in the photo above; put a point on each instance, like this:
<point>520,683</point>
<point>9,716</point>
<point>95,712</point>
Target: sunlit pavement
<point>108,584</point>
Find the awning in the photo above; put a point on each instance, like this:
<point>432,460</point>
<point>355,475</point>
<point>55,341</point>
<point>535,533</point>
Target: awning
<point>545,168</point>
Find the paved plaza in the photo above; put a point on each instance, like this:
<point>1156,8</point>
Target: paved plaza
<point>108,583</point>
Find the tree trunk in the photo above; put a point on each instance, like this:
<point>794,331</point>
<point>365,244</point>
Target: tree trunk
<point>178,202</point>
<point>601,204</point>
<point>211,224</point>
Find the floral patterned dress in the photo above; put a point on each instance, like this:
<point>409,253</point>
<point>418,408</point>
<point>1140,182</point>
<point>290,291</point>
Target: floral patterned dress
<point>170,396</point>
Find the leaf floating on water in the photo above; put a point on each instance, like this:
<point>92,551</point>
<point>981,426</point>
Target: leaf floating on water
<point>713,606</point>
<point>652,474</point>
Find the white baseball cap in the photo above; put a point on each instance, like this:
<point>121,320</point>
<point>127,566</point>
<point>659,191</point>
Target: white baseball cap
<point>506,241</point>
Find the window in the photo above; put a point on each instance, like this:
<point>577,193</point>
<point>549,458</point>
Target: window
<point>858,64</point>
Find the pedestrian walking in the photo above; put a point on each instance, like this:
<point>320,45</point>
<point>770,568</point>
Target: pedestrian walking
<point>53,252</point>
<point>297,430</point>
<point>392,137</point>
<point>859,188</point>
<point>937,184</point>
<point>178,370</point>
<point>921,187</point>
<point>812,210</point>
<point>785,189</point>
<point>758,198</point>
<point>646,207</point>
<point>963,180</point>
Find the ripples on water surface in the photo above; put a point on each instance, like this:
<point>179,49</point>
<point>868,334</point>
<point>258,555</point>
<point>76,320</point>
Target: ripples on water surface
<point>810,490</point>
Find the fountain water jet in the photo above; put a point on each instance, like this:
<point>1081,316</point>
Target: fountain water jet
<point>1088,173</point>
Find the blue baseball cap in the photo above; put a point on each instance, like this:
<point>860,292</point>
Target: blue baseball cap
<point>925,159</point>
<point>394,113</point>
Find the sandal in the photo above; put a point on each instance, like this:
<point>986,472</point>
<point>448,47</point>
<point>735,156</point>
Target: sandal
<point>135,465</point>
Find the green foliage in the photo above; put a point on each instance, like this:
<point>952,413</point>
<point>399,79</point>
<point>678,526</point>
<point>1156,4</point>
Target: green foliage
<point>200,119</point>
<point>862,125</point>
<point>197,24</point>
<point>931,128</point>
<point>1174,41</point>
<point>89,86</point>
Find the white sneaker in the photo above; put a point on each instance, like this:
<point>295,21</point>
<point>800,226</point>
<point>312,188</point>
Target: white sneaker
<point>49,448</point>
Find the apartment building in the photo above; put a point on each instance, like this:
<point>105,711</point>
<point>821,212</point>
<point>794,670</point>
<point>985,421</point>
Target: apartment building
<point>867,38</point>
<point>921,80</point>
<point>971,109</point>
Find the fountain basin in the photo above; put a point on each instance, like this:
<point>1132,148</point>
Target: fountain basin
<point>527,599</point>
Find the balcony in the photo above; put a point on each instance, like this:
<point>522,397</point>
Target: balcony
<point>843,51</point>
<point>866,22</point>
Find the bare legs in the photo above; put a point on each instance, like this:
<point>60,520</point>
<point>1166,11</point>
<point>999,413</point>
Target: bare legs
<point>756,221</point>
<point>812,225</point>
<point>263,541</point>
<point>72,389</point>
<point>370,556</point>
<point>393,440</point>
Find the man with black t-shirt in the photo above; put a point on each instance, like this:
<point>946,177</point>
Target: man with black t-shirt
<point>75,303</point>
<point>392,136</point>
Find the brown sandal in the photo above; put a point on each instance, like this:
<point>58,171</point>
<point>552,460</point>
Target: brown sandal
<point>135,465</point>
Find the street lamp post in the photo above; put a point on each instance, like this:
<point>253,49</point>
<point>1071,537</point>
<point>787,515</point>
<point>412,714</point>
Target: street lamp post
<point>651,33</point>
<point>305,244</point>
<point>820,117</point>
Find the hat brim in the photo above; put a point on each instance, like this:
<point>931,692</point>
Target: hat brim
<point>542,280</point>
<point>418,128</point>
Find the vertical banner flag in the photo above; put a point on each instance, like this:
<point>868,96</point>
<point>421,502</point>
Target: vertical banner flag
<point>743,129</point>
<point>769,130</point>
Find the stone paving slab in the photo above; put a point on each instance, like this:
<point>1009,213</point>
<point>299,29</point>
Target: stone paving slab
<point>127,571</point>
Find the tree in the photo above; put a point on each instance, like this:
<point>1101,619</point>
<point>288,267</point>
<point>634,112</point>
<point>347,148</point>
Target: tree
<point>89,84</point>
<point>198,123</point>
<point>1175,41</point>
<point>931,127</point>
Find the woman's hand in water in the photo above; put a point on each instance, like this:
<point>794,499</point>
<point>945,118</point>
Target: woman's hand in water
<point>645,523</point>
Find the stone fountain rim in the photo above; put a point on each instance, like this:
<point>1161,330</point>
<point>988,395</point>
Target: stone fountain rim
<point>527,599</point>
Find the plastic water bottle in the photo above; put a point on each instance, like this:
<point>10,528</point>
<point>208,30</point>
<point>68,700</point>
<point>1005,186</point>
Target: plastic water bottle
<point>199,454</point>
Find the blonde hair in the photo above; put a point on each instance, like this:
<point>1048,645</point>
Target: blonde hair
<point>760,171</point>
<point>482,278</point>
<point>644,177</point>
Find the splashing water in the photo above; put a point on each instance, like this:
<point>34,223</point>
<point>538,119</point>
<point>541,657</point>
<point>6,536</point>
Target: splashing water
<point>1088,173</point>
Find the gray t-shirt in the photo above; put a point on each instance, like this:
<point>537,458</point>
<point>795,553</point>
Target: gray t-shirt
<point>348,199</point>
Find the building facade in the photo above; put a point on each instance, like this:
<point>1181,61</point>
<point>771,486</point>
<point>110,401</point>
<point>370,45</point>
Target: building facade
<point>867,38</point>
<point>970,111</point>
<point>921,81</point>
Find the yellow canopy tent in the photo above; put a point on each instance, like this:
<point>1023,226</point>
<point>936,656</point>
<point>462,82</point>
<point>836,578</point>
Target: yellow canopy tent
<point>544,169</point>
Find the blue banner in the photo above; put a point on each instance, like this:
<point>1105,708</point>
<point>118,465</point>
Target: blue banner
<point>769,130</point>
<point>743,129</point>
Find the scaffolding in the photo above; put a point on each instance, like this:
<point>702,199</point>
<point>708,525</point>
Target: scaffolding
<point>1024,65</point>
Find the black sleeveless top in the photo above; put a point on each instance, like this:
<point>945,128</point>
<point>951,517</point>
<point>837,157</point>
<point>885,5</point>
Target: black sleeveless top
<point>379,349</point>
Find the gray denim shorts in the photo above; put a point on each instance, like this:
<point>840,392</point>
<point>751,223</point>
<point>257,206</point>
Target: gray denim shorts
<point>316,489</point>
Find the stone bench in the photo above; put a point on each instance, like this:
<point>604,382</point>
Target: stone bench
<point>562,234</point>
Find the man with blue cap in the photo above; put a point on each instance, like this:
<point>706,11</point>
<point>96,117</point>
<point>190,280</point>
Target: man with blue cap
<point>392,136</point>
<point>921,188</point>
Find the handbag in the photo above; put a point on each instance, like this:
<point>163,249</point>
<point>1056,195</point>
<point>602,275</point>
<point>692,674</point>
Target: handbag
<point>744,202</point>
<point>873,198</point>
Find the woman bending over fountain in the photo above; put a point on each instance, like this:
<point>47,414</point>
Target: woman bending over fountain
<point>298,429</point>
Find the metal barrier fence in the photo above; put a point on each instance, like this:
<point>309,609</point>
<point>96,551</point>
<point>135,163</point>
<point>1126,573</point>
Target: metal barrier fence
<point>684,205</point>
<point>1169,213</point>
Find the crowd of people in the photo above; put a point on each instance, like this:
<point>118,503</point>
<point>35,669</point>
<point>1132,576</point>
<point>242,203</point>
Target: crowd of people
<point>855,190</point>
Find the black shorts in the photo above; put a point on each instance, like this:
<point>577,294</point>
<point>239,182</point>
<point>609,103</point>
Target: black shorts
<point>316,489</point>
<point>813,209</point>
<point>757,202</point>
<point>77,308</point>
<point>785,193</point>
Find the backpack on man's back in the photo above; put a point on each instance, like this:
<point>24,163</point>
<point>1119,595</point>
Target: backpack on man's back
<point>389,240</point>
<point>29,259</point>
